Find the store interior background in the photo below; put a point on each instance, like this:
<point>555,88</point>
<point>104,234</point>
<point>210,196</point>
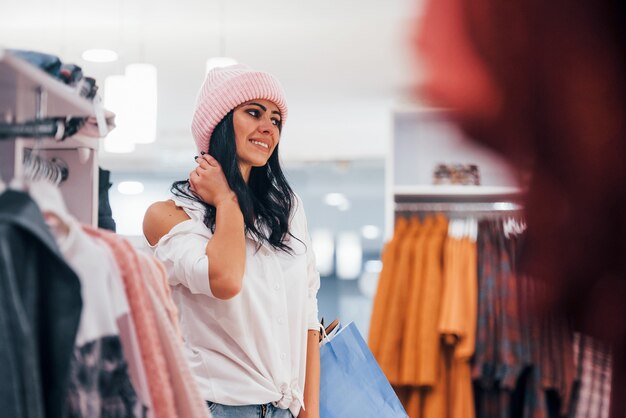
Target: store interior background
<point>356,126</point>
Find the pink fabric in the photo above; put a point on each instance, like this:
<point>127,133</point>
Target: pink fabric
<point>224,89</point>
<point>158,281</point>
<point>132,354</point>
<point>187,398</point>
<point>143,314</point>
<point>130,346</point>
<point>594,364</point>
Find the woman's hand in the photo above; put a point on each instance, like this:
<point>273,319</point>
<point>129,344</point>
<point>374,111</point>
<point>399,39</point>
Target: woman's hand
<point>209,183</point>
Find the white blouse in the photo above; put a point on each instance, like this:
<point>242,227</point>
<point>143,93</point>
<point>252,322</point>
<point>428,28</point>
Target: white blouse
<point>250,349</point>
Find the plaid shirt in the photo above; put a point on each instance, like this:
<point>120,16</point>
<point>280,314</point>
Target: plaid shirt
<point>499,357</point>
<point>593,373</point>
<point>508,340</point>
<point>485,353</point>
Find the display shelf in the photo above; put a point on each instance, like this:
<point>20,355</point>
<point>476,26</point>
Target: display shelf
<point>455,191</point>
<point>19,84</point>
<point>424,137</point>
<point>459,207</point>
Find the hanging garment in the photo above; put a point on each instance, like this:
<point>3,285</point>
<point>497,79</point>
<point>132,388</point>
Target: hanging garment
<point>386,283</point>
<point>534,402</point>
<point>510,348</point>
<point>422,368</point>
<point>428,354</point>
<point>523,364</point>
<point>391,343</point>
<point>40,307</point>
<point>431,371</point>
<point>594,365</point>
<point>457,322</point>
<point>485,359</point>
<point>100,385</point>
<point>187,398</point>
<point>493,339</point>
<point>410,339</point>
<point>156,274</point>
<point>145,323</point>
<point>105,215</point>
<point>557,366</point>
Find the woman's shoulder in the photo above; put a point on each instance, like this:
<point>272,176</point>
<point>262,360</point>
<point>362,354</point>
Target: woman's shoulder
<point>160,218</point>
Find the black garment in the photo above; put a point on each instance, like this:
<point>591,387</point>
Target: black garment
<point>99,383</point>
<point>40,307</point>
<point>105,215</point>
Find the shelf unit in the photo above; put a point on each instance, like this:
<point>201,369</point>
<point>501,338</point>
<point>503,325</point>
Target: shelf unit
<point>478,192</point>
<point>422,138</point>
<point>28,93</point>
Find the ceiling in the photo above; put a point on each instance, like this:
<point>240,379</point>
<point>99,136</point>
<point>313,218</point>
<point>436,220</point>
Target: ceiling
<point>344,63</point>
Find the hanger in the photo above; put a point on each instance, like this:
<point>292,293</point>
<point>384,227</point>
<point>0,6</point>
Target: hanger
<point>36,168</point>
<point>42,178</point>
<point>513,226</point>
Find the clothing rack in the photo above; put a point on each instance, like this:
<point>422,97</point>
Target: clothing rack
<point>456,207</point>
<point>454,200</point>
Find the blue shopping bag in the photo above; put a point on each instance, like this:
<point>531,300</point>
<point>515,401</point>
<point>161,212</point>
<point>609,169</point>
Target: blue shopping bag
<point>352,385</point>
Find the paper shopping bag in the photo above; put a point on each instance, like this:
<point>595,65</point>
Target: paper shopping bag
<point>352,385</point>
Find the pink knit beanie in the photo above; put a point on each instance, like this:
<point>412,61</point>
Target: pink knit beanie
<point>224,89</point>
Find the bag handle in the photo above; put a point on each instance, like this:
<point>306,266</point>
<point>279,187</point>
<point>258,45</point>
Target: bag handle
<point>327,330</point>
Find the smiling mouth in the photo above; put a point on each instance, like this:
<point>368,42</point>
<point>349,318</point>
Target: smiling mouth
<point>260,144</point>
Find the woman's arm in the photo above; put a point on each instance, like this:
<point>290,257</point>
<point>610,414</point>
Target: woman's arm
<point>226,251</point>
<point>312,381</point>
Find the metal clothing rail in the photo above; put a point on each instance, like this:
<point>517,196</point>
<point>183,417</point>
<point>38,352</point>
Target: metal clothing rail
<point>458,207</point>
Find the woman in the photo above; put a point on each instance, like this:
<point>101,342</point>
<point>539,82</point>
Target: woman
<point>234,240</point>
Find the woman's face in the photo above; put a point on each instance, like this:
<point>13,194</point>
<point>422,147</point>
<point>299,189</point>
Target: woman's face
<point>257,132</point>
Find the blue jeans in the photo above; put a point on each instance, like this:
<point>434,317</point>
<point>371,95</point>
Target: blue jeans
<point>248,411</point>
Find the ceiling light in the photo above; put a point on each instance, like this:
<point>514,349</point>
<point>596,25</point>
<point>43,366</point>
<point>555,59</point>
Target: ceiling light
<point>218,62</point>
<point>336,199</point>
<point>370,232</point>
<point>100,55</point>
<point>133,99</point>
<point>130,187</point>
<point>142,98</point>
<point>118,140</point>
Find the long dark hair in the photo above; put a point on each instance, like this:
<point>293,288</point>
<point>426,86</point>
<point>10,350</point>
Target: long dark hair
<point>265,202</point>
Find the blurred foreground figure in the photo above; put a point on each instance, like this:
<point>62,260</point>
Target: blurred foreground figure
<point>543,83</point>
